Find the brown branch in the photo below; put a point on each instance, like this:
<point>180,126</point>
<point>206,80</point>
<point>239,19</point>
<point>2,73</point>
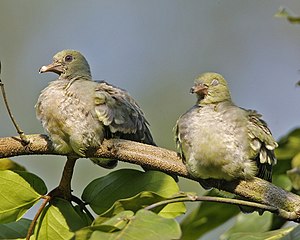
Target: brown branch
<point>256,190</point>
<point>37,215</point>
<point>64,188</point>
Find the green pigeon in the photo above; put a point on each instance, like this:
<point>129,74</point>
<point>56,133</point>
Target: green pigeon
<point>79,113</point>
<point>219,140</point>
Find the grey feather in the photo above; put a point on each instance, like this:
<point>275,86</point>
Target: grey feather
<point>79,113</point>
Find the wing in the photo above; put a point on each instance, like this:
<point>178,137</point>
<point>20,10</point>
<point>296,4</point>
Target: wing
<point>178,141</point>
<point>120,114</point>
<point>181,131</point>
<point>262,145</point>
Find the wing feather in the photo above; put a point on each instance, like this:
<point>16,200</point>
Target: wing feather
<point>262,145</point>
<point>120,114</point>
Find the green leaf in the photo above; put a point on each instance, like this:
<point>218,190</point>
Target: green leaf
<point>277,222</point>
<point>84,216</point>
<point>35,182</point>
<point>58,221</point>
<point>119,221</point>
<point>8,164</point>
<point>293,234</point>
<point>134,204</point>
<point>205,218</point>
<point>289,145</point>
<point>294,173</point>
<point>143,225</point>
<point>14,230</point>
<point>283,13</point>
<point>296,160</point>
<point>271,235</point>
<point>253,221</point>
<point>282,181</point>
<point>19,191</point>
<point>126,185</point>
<point>294,176</point>
<point>281,167</point>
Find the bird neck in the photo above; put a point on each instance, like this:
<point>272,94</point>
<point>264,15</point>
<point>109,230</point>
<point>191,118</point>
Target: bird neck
<point>75,71</point>
<point>214,97</point>
<point>72,80</point>
<point>74,77</point>
<point>209,101</point>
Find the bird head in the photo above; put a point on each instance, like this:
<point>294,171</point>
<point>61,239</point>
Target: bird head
<point>68,64</point>
<point>211,88</point>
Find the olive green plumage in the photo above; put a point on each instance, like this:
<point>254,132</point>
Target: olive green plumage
<point>220,140</point>
<point>78,113</point>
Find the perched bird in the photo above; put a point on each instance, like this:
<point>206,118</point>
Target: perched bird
<point>219,140</point>
<point>78,113</point>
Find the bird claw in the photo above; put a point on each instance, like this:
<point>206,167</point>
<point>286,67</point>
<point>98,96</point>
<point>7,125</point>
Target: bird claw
<point>81,152</point>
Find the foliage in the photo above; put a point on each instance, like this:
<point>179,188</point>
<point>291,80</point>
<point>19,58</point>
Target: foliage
<point>284,13</point>
<point>119,200</point>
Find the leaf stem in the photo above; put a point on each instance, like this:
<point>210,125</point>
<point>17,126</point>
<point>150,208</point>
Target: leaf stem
<point>33,222</point>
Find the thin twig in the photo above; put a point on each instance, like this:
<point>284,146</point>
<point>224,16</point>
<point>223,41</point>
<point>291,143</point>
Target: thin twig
<point>19,130</point>
<point>37,215</point>
<point>63,190</point>
<point>192,198</point>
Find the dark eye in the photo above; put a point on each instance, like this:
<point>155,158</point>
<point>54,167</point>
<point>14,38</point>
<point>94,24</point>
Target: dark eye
<point>214,82</point>
<point>68,58</point>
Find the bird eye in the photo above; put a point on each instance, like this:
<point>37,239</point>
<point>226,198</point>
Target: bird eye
<point>68,58</point>
<point>214,82</point>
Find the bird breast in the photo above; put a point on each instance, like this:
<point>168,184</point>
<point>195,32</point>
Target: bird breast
<point>67,114</point>
<point>215,142</point>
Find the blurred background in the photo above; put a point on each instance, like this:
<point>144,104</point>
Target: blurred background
<point>153,49</point>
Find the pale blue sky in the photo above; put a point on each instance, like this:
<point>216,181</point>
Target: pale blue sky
<point>153,49</point>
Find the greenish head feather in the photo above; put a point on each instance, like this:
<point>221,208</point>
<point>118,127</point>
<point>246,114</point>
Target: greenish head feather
<point>69,64</point>
<point>211,88</point>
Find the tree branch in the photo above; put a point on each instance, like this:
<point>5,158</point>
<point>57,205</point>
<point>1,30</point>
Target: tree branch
<point>256,190</point>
